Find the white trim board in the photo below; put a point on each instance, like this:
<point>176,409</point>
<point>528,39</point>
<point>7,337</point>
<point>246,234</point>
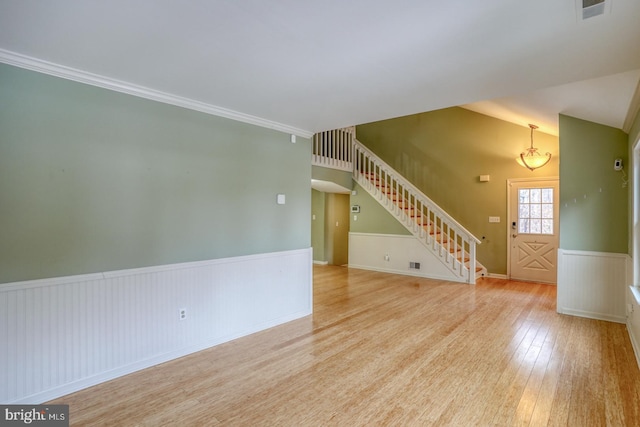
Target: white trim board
<point>57,70</point>
<point>633,320</point>
<point>55,281</point>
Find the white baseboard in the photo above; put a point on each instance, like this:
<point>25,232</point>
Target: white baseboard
<point>72,387</point>
<point>403,272</point>
<point>592,315</point>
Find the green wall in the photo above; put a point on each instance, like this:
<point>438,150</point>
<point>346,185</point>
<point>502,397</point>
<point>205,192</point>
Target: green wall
<point>318,225</point>
<point>444,152</point>
<point>339,177</point>
<point>93,180</point>
<point>330,242</point>
<point>373,218</point>
<point>336,232</point>
<point>593,201</point>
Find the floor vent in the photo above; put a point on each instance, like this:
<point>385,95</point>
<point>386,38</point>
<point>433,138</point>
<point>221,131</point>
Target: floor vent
<point>414,265</point>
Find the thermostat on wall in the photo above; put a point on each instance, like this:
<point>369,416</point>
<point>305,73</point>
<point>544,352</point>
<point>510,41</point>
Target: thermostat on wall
<point>617,164</point>
<point>355,208</point>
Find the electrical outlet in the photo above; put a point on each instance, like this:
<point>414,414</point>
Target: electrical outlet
<point>182,313</point>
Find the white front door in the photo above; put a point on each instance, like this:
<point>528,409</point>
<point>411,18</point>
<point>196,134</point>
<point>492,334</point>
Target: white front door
<point>533,230</point>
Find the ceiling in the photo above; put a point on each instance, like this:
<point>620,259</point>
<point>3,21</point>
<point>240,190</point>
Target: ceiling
<point>328,187</point>
<point>308,66</point>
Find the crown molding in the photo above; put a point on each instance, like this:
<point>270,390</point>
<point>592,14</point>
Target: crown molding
<point>57,70</point>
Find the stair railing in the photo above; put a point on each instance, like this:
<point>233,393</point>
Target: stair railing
<point>332,149</point>
<point>438,231</point>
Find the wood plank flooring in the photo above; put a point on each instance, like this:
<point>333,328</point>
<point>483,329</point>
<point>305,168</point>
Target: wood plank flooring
<point>381,350</point>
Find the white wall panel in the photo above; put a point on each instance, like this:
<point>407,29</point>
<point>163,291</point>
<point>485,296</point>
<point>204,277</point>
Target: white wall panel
<point>367,251</point>
<point>63,334</point>
<point>593,284</point>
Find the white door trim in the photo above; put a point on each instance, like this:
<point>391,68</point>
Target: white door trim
<point>508,221</point>
<point>635,203</point>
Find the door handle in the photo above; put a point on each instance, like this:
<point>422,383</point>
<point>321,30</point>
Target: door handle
<point>514,235</point>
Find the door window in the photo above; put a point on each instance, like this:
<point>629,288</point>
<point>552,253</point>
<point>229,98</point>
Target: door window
<point>535,210</point>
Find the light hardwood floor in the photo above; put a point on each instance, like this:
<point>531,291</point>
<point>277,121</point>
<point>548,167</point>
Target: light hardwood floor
<point>382,349</point>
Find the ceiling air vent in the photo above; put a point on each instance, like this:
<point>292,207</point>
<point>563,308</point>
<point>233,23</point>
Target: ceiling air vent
<point>591,8</point>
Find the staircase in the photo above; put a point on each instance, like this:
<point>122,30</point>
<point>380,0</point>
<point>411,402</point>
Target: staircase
<point>449,241</point>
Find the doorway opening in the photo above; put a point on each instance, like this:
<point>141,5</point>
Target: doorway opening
<point>533,233</point>
<point>330,228</point>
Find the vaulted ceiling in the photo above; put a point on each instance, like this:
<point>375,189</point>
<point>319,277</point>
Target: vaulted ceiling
<point>310,65</point>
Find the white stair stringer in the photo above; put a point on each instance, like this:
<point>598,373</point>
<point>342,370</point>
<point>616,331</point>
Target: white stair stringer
<point>449,241</point>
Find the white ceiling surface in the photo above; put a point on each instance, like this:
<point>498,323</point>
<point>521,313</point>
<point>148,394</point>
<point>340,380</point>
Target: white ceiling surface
<point>604,100</point>
<point>328,187</point>
<point>325,64</point>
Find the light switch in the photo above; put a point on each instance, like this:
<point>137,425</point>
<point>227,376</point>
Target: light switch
<point>280,199</point>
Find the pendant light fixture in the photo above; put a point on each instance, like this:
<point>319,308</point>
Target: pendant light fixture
<point>531,158</point>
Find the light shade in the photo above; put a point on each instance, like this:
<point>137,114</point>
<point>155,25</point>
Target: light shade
<point>531,158</point>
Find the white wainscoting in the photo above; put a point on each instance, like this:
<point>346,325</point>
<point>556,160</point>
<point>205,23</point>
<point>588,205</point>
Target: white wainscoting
<point>368,251</point>
<point>593,284</point>
<point>63,334</point>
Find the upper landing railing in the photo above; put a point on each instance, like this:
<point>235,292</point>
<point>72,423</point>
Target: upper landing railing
<point>333,149</point>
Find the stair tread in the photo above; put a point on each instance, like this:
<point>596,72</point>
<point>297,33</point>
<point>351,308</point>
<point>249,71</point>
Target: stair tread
<point>397,194</point>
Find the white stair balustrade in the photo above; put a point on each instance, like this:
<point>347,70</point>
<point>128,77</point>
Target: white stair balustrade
<point>332,149</point>
<point>433,227</point>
